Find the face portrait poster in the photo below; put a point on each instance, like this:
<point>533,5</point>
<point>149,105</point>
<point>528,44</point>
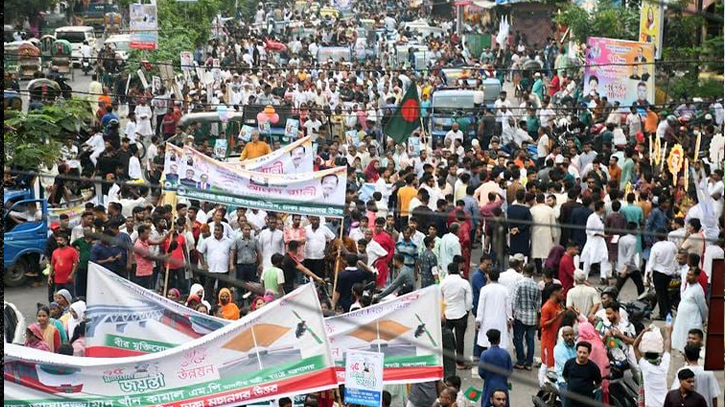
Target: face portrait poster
<point>650,25</point>
<point>143,25</point>
<point>620,70</point>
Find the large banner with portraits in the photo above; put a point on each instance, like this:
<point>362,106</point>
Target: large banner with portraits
<point>623,71</point>
<point>294,158</point>
<point>277,351</point>
<point>193,175</point>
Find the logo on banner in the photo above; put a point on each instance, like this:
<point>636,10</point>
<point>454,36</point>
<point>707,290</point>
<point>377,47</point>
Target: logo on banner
<point>144,378</point>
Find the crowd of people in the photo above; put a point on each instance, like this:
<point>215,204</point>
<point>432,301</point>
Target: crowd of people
<point>511,220</point>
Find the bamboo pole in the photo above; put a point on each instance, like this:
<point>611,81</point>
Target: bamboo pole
<point>339,254</point>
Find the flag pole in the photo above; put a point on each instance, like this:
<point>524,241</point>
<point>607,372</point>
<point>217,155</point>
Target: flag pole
<point>339,254</point>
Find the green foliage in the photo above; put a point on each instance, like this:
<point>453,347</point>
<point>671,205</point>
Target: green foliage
<point>182,25</point>
<point>607,21</point>
<point>36,137</point>
<point>14,10</point>
<point>685,86</point>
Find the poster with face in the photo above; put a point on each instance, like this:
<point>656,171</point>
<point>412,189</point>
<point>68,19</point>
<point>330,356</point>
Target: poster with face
<point>620,70</point>
<point>650,25</point>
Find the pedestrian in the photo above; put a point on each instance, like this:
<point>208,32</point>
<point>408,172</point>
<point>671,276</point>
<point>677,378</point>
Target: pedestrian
<point>685,395</point>
<point>654,363</point>
<point>582,376</point>
<point>526,303</point>
<point>494,312</point>
<point>458,299</point>
<point>495,366</point>
<point>63,265</point>
<point>705,381</point>
<point>551,314</point>
<point>217,258</point>
<point>660,269</point>
<point>227,308</point>
<point>691,312</point>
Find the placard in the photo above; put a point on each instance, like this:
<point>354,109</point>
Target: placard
<point>364,378</point>
<point>143,25</point>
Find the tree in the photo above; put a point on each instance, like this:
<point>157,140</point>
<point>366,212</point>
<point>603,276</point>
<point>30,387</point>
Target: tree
<point>607,21</point>
<point>35,137</point>
<point>14,10</point>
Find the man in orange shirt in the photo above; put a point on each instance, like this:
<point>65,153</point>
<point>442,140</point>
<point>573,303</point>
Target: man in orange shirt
<point>255,148</point>
<point>550,321</point>
<point>405,196</point>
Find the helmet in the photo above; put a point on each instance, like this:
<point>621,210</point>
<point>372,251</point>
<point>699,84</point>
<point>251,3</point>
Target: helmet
<point>113,123</point>
<point>671,120</point>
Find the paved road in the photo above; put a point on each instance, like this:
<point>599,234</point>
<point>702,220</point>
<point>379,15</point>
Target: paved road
<point>525,384</point>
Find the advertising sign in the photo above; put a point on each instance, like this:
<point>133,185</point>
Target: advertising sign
<point>143,25</point>
<point>364,378</point>
<point>651,24</point>
<point>620,70</point>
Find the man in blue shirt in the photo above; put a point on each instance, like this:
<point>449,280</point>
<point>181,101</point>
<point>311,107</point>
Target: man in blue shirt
<point>108,116</point>
<point>494,357</point>
<point>562,353</point>
<point>107,254</point>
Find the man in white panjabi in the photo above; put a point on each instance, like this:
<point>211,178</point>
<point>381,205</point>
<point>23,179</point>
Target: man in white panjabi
<point>494,312</point>
<point>595,250</point>
<point>544,232</point>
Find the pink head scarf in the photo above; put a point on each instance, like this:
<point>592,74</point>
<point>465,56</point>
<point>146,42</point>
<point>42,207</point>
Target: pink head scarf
<point>599,353</point>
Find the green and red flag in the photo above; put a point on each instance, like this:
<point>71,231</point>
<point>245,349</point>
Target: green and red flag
<point>406,119</point>
<point>472,394</point>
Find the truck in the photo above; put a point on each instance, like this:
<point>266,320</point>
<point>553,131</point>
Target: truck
<point>24,242</point>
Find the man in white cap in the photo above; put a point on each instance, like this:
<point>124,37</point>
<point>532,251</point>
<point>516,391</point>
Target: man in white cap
<point>510,277</point>
<point>582,296</point>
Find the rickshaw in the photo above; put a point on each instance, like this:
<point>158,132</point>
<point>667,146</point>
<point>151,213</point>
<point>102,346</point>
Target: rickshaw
<point>47,43</point>
<point>43,90</point>
<point>12,100</point>
<point>10,62</point>
<point>28,60</point>
<point>62,50</point>
<point>112,23</point>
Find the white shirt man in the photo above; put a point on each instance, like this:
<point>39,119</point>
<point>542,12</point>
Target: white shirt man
<point>662,259</point>
<point>457,296</point>
<point>510,277</point>
<point>453,134</point>
<point>217,251</point>
<point>494,312</point>
<point>317,239</point>
<point>497,107</point>
<point>270,242</point>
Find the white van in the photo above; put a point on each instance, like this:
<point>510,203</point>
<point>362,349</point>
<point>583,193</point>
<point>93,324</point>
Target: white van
<point>121,43</point>
<point>76,35</point>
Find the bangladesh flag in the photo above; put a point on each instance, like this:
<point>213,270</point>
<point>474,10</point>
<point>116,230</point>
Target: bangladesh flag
<point>407,118</point>
<point>472,394</point>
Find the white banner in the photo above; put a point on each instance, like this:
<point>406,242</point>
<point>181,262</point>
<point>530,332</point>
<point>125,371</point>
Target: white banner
<point>294,158</point>
<point>159,323</point>
<point>193,175</point>
<point>407,330</point>
<point>277,351</point>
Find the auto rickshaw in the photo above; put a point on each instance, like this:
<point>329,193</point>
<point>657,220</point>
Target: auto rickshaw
<point>112,23</point>
<point>12,100</point>
<point>43,90</point>
<point>28,60</point>
<point>10,60</point>
<point>46,49</point>
<point>62,57</point>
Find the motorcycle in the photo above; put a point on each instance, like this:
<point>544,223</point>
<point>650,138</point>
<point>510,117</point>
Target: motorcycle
<point>641,309</point>
<point>623,388</point>
<point>86,66</point>
<point>548,395</point>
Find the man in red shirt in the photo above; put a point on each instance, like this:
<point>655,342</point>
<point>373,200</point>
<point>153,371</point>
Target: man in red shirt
<point>144,262</point>
<point>566,267</point>
<point>63,264</point>
<point>177,257</point>
<point>381,237</point>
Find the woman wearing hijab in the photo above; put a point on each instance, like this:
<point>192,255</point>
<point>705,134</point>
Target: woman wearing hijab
<point>598,355</point>
<point>48,331</point>
<point>34,338</point>
<point>228,309</point>
<point>56,313</point>
<point>77,313</point>
<point>198,290</point>
<point>371,172</point>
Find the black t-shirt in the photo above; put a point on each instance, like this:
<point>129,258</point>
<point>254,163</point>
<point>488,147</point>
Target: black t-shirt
<point>345,281</point>
<point>581,379</point>
<point>289,268</point>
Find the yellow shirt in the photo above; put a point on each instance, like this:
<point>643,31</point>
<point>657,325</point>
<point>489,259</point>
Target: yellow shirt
<point>405,195</point>
<point>255,149</point>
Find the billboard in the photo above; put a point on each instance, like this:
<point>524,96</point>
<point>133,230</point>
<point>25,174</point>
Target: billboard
<point>620,70</point>
<point>651,23</point>
<point>143,24</point>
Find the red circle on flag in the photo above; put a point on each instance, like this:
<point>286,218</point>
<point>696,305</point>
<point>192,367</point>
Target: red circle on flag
<point>409,110</point>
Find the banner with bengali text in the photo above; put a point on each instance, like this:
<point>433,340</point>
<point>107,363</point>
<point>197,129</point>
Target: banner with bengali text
<point>277,351</point>
<point>623,71</point>
<point>407,330</point>
<point>294,158</point>
<point>193,175</point>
